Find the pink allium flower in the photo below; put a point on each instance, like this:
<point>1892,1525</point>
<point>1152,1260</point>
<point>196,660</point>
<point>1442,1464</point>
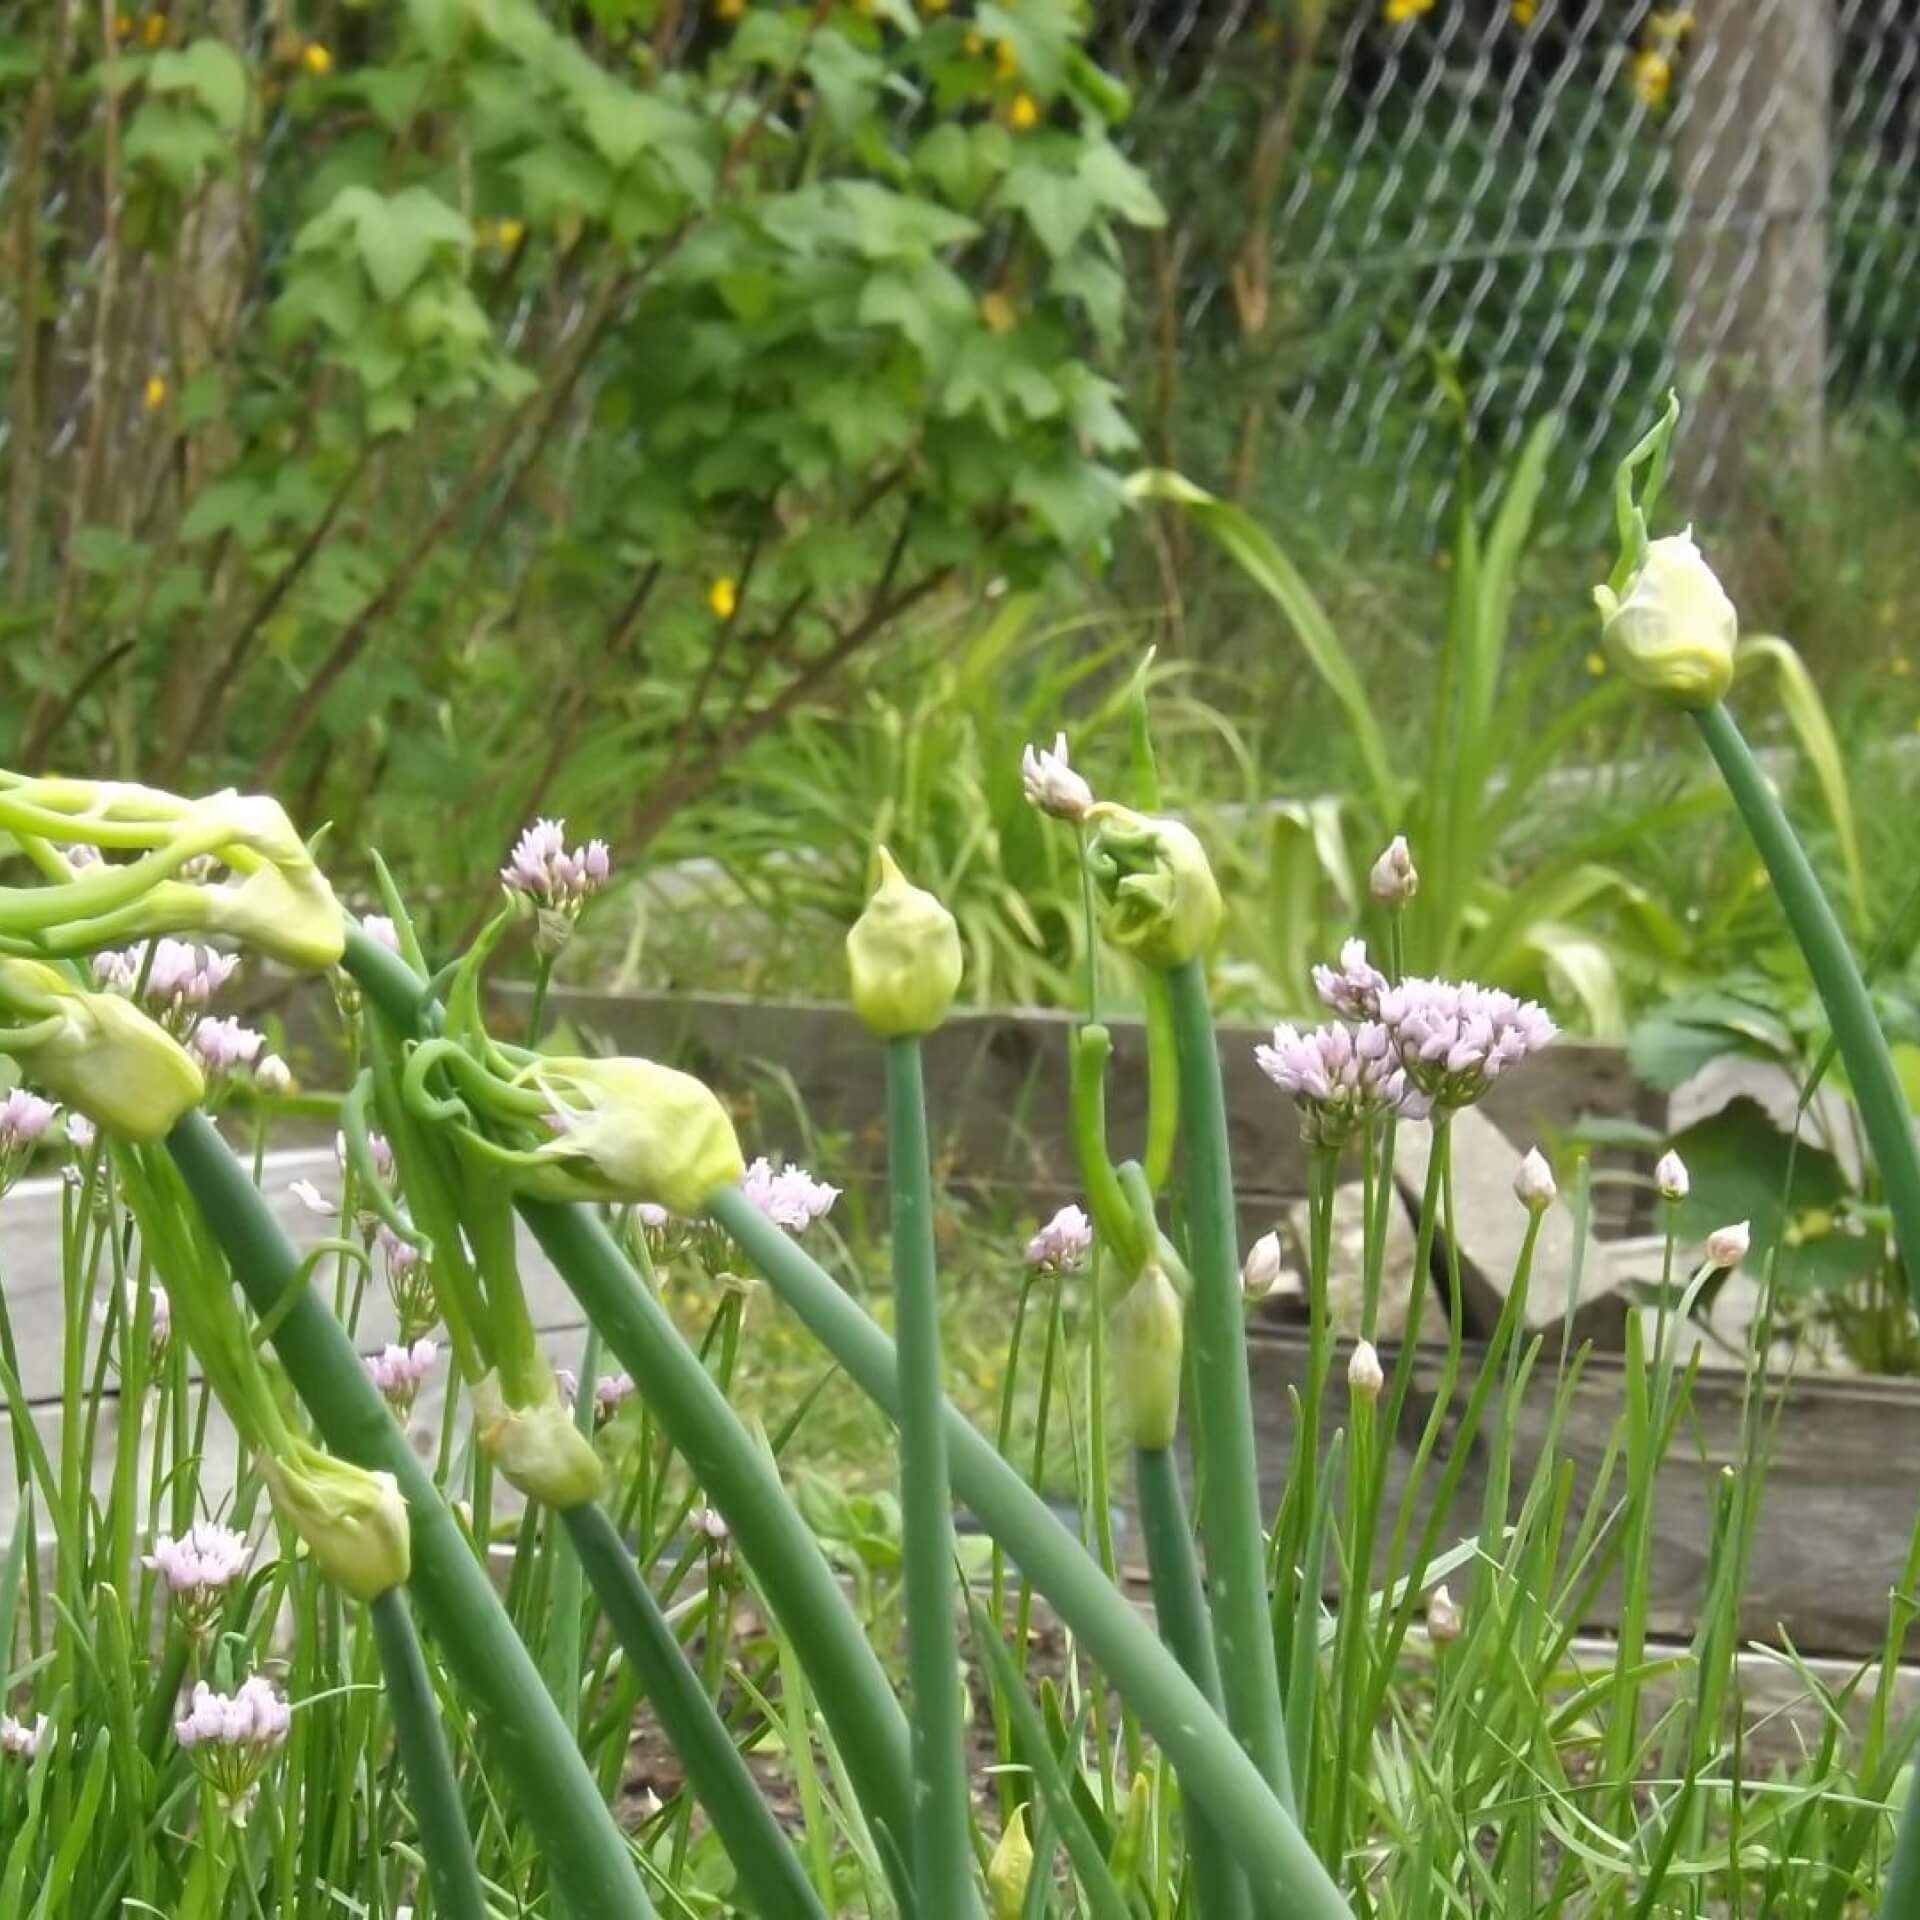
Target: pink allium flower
<point>1455,1038</point>
<point>181,978</point>
<point>24,1120</point>
<point>1340,1078</point>
<point>378,1148</point>
<point>21,1738</point>
<point>1050,783</point>
<point>1062,1244</point>
<point>790,1197</point>
<point>81,1133</point>
<point>1394,880</point>
<point>549,873</point>
<point>1353,989</point>
<point>611,1392</point>
<point>197,1569</point>
<point>233,1738</point>
<point>226,1048</point>
<point>399,1372</point>
<point>379,928</point>
<point>409,1283</point>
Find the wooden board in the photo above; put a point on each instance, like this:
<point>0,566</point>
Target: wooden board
<point>1842,1490</point>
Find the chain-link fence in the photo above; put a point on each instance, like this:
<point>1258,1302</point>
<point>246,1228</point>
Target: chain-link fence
<point>1390,218</point>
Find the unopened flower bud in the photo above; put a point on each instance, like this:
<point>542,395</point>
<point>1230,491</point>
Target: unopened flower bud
<point>1394,879</point>
<point>1260,1271</point>
<point>354,1522</point>
<point>1670,1177</point>
<point>1443,1618</point>
<point>97,1053</point>
<point>1727,1246</point>
<point>1364,1375</point>
<point>1533,1185</point>
<point>537,1447</point>
<point>632,1130</point>
<point>1050,783</point>
<point>1010,1869</point>
<point>1147,1335</point>
<point>903,955</point>
<point>1163,904</point>
<point>1674,631</point>
<point>273,1076</point>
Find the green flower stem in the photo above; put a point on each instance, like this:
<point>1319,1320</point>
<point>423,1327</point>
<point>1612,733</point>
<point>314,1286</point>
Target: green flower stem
<point>742,1483</point>
<point>770,1872</point>
<point>437,1811</point>
<point>856,1698</point>
<point>560,1651</point>
<point>556,1794</point>
<point>1213,1769</point>
<point>1836,973</point>
<point>1180,1607</point>
<point>1223,1401</point>
<point>942,1836</point>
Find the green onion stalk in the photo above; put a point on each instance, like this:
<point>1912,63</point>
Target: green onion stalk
<point>903,965</point>
<point>1217,1775</point>
<point>588,1858</point>
<point>740,1481</point>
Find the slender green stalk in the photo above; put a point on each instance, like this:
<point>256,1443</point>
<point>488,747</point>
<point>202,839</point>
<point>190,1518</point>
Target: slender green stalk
<point>589,1858</point>
<point>942,1837</point>
<point>1836,973</point>
<point>770,1871</point>
<point>743,1485</point>
<point>560,1653</point>
<point>1214,1771</point>
<point>437,1809</point>
<point>1223,1402</point>
<point>1180,1608</point>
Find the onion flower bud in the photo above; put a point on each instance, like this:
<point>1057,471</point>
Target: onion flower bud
<point>1147,1339</point>
<point>537,1447</point>
<point>903,955</point>
<point>1674,630</point>
<point>1163,903</point>
<point>353,1521</point>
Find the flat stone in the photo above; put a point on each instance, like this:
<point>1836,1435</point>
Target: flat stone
<point>1492,1225</point>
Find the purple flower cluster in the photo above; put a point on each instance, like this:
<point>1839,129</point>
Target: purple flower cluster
<point>1455,1038</point>
<point>789,1196</point>
<point>1408,1048</point>
<point>1062,1244</point>
<point>197,1569</point>
<point>233,1738</point>
<point>24,1118</point>
<point>399,1371</point>
<point>181,978</point>
<point>1340,1078</point>
<point>543,868</point>
<point>226,1049</point>
<point>611,1392</point>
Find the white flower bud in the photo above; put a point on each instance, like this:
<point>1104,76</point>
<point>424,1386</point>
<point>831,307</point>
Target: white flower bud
<point>1051,783</point>
<point>1533,1185</point>
<point>1443,1618</point>
<point>1727,1246</point>
<point>273,1075</point>
<point>1670,1176</point>
<point>1364,1375</point>
<point>1394,879</point>
<point>1675,630</point>
<point>1260,1272</point>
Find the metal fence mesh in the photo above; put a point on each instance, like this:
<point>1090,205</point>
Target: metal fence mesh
<point>1388,217</point>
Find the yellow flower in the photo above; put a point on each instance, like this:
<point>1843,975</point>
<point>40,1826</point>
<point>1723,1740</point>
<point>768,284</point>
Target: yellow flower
<point>723,597</point>
<point>998,312</point>
<point>1523,12</point>
<point>1024,114</point>
<point>316,59</point>
<point>729,9</point>
<point>1399,12</point>
<point>1006,62</point>
<point>153,29</point>
<point>122,26</point>
<point>509,233</point>
<point>1596,663</point>
<point>155,395</point>
<point>1652,77</point>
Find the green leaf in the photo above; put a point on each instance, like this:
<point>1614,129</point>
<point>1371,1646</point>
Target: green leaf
<point>1269,569</point>
<point>928,303</point>
<point>176,142</point>
<point>397,237</point>
<point>848,79</point>
<point>101,550</point>
<point>1807,714</point>
<point>1057,207</point>
<point>1077,499</point>
<point>212,73</point>
<point>1118,185</point>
